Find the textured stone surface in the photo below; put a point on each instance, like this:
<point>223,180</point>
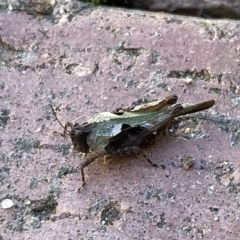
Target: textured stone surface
<point>87,60</point>
<point>215,7</point>
<point>200,8</point>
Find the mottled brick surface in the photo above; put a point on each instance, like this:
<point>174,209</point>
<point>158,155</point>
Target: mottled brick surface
<point>96,60</point>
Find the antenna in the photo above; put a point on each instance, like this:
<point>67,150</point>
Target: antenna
<point>64,127</point>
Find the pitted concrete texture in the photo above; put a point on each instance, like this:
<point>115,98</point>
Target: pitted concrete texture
<point>88,60</point>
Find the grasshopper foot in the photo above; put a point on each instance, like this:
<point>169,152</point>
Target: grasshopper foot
<point>81,187</point>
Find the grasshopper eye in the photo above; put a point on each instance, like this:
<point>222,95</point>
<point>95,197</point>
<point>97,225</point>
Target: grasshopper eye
<point>119,111</point>
<point>177,108</point>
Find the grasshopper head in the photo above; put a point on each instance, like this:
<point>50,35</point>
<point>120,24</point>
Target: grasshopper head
<point>78,133</point>
<point>78,136</point>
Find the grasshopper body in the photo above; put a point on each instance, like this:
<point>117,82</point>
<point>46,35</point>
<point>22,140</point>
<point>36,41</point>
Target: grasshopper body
<point>125,131</point>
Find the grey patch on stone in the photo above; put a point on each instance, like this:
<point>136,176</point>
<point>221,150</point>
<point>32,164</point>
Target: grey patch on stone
<point>37,211</point>
<point>236,101</point>
<point>110,213</point>
<point>40,7</point>
<point>179,126</point>
<point>227,176</point>
<point>157,220</point>
<point>33,183</point>
<point>4,117</point>
<point>131,54</point>
<point>80,7</point>
<point>173,20</point>
<point>193,74</point>
<point>129,51</point>
<point>63,148</point>
<point>4,173</point>
<point>226,124</point>
<point>155,80</point>
<point>170,196</point>
<point>64,215</point>
<point>42,209</point>
<point>214,209</point>
<point>4,6</point>
<point>129,82</point>
<point>98,206</point>
<point>63,171</point>
<point>71,67</point>
<point>216,90</point>
<point>222,169</point>
<point>23,145</point>
<point>108,209</point>
<point>2,85</point>
<point>54,191</point>
<point>155,56</point>
<point>162,221</point>
<point>153,192</point>
<point>191,232</point>
<point>8,54</point>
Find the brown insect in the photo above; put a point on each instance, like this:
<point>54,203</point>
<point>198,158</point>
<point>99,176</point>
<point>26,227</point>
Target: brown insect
<point>125,131</point>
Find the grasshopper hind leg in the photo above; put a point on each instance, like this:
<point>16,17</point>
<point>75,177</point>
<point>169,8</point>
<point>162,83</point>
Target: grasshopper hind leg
<point>143,153</point>
<point>147,158</point>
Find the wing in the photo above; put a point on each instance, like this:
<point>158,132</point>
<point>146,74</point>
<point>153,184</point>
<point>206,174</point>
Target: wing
<point>135,136</point>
